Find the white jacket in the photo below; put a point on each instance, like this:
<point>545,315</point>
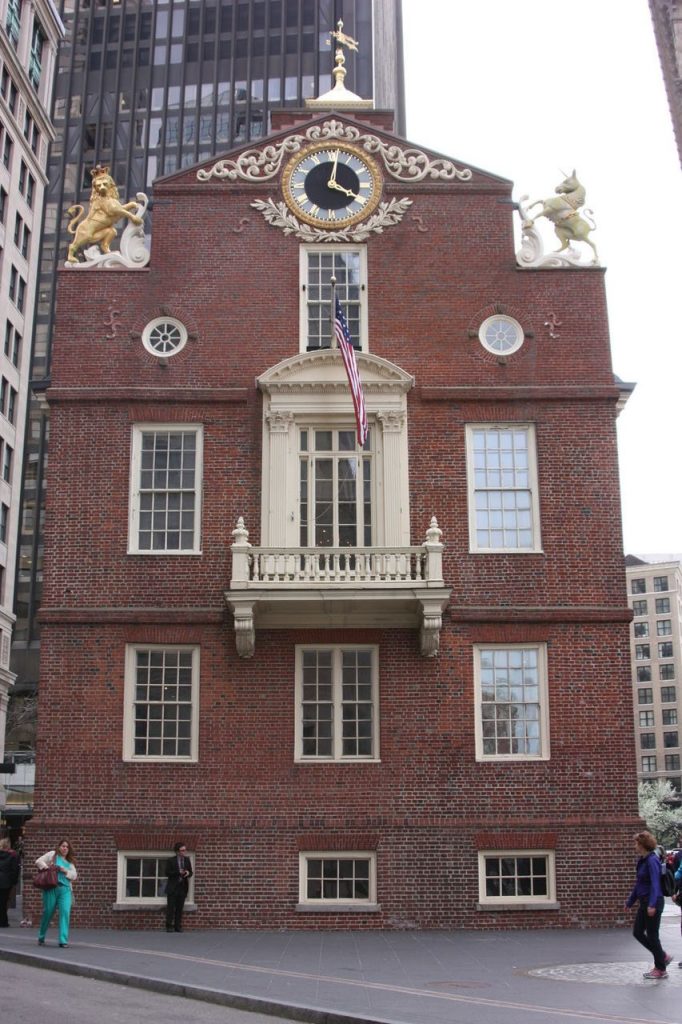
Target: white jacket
<point>48,858</point>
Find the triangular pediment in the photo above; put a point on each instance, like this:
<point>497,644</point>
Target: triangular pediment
<point>323,370</point>
<point>260,161</point>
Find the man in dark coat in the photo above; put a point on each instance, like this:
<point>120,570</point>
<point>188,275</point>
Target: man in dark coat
<point>179,872</point>
<point>10,866</point>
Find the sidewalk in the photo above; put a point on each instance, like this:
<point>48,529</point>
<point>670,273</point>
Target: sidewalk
<point>547,977</point>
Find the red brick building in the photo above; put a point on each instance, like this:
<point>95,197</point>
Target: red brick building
<point>370,688</point>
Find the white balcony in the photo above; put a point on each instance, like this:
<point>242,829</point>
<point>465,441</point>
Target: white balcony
<point>378,587</point>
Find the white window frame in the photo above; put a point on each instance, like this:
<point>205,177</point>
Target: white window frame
<point>311,390</point>
<point>129,706</point>
<point>536,545</point>
<point>304,252</point>
<point>543,689</point>
<point>123,900</point>
<point>134,499</point>
<point>529,902</point>
<point>336,757</point>
<point>335,904</point>
<point>164,322</point>
<point>496,347</point>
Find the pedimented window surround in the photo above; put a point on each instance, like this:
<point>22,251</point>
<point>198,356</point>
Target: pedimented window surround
<point>278,583</point>
<point>311,389</point>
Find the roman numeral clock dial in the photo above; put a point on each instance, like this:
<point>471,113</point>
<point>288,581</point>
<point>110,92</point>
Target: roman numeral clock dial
<point>332,185</point>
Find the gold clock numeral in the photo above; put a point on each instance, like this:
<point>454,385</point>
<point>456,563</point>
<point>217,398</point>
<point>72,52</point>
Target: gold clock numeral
<point>332,215</point>
<point>297,184</point>
<point>314,210</point>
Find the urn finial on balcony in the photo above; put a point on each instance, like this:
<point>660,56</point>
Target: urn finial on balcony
<point>434,533</point>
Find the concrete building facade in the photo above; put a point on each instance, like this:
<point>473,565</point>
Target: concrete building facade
<point>30,31</point>
<point>655,596</point>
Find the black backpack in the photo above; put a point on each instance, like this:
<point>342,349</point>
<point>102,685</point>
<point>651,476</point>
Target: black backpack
<point>667,878</point>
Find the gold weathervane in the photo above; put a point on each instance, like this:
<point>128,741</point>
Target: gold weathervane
<point>342,40</point>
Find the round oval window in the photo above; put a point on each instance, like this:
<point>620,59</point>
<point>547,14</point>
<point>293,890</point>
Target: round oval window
<point>501,335</point>
<point>164,337</point>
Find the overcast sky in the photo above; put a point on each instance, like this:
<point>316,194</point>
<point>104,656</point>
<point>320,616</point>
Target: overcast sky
<point>524,88</point>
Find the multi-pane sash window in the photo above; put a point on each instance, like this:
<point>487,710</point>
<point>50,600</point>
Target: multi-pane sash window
<point>4,519</point>
<point>516,877</point>
<point>638,586</point>
<point>639,607</point>
<point>142,878</point>
<point>511,703</point>
<point>672,762</point>
<point>644,673</point>
<point>647,740</point>
<point>666,671</point>
<point>646,720</point>
<point>503,499</point>
<point>661,583</point>
<point>649,763</point>
<point>162,686</point>
<point>318,266</point>
<point>665,650</point>
<point>335,489</point>
<point>337,704</point>
<point>670,716</point>
<point>668,695</point>
<point>13,21</point>
<point>165,501</point>
<point>35,61</point>
<point>334,878</point>
<point>641,629</point>
<point>671,739</point>
<point>645,695</point>
<point>642,652</point>
<point>664,627</point>
<point>662,605</point>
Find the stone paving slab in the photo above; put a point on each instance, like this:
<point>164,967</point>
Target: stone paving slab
<point>548,977</point>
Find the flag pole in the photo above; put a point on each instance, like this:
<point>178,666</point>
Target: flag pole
<point>332,313</point>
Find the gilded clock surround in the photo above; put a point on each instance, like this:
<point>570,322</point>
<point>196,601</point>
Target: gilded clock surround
<point>332,185</point>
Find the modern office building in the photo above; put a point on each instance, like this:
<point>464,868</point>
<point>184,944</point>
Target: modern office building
<point>29,35</point>
<point>667,19</point>
<point>146,87</point>
<point>655,596</point>
<point>375,675</point>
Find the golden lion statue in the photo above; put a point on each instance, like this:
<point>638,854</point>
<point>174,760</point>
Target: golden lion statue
<point>103,212</point>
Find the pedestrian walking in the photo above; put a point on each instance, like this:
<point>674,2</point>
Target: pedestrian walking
<point>179,872</point>
<point>647,893</point>
<point>60,897</point>
<point>677,896</point>
<point>9,876</point>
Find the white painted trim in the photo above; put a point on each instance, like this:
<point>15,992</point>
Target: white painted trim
<point>525,902</point>
<point>123,901</point>
<point>336,757</point>
<point>306,855</point>
<point>134,495</point>
<point>543,687</point>
<point>130,667</point>
<point>304,251</point>
<point>536,547</point>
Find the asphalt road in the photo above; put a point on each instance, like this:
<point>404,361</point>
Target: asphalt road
<point>34,996</point>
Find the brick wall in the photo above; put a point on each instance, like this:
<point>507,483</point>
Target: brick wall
<point>246,808</point>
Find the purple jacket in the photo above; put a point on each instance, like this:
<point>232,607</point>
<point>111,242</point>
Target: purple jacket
<point>648,883</point>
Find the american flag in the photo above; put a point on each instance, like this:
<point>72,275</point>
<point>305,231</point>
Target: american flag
<point>345,344</point>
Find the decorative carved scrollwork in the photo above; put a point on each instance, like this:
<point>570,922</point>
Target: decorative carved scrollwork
<point>278,214</point>
<point>264,164</point>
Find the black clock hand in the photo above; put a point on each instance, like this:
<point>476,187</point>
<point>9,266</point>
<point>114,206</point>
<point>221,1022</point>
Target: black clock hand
<point>340,188</point>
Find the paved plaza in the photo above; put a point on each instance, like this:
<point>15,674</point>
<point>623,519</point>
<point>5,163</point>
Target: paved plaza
<point>412,977</point>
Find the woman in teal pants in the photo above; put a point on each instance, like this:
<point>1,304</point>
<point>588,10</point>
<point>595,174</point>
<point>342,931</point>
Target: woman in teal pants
<point>58,898</point>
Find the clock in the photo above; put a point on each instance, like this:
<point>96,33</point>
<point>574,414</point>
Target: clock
<point>332,185</point>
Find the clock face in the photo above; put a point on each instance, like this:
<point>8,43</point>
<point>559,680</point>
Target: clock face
<point>332,185</point>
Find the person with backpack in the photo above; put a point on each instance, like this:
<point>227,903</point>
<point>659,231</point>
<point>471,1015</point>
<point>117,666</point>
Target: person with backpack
<point>647,893</point>
<point>677,895</point>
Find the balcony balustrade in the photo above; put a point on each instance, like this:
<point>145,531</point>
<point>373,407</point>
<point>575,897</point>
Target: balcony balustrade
<point>377,587</point>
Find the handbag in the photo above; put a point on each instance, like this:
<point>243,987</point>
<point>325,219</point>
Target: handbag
<point>46,878</point>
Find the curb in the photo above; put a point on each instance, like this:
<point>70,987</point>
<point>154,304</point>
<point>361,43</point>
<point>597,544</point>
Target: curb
<point>253,1004</point>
